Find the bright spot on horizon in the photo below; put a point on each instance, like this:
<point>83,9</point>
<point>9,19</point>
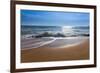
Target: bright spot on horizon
<point>66,29</point>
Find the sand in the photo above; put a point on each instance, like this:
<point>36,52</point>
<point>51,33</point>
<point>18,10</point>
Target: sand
<point>58,50</point>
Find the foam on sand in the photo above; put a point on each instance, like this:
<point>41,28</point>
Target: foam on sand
<point>52,42</point>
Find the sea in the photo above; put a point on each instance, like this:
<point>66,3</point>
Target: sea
<point>53,31</point>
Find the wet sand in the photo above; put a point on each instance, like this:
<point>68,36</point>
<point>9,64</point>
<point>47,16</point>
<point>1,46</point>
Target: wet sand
<point>58,50</point>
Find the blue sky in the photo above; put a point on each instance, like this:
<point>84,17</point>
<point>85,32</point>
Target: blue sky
<point>52,18</point>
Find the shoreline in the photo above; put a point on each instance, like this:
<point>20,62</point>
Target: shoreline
<point>50,52</point>
<point>45,41</point>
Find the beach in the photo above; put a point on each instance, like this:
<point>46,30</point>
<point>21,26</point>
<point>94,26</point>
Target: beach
<point>54,35</point>
<point>54,49</point>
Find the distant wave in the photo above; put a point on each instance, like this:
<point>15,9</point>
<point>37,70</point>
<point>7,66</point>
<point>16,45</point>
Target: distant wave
<point>54,31</point>
<point>47,34</point>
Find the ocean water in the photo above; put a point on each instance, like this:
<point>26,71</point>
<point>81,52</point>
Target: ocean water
<point>54,31</point>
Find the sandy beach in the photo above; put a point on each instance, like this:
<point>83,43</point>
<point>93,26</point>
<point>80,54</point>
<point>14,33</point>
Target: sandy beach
<point>59,49</point>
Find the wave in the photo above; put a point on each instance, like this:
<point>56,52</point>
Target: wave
<point>48,34</point>
<point>54,31</point>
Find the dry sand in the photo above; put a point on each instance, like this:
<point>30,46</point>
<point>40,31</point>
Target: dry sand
<point>42,54</point>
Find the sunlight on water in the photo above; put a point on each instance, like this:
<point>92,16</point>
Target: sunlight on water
<point>54,31</point>
<point>66,29</point>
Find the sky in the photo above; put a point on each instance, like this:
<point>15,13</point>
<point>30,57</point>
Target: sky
<point>53,18</point>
